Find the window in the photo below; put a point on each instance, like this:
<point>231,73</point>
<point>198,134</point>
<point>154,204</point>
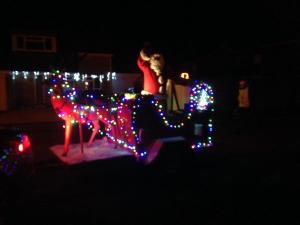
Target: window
<point>33,43</point>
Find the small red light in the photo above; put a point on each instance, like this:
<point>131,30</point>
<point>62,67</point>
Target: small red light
<point>21,147</point>
<point>26,142</point>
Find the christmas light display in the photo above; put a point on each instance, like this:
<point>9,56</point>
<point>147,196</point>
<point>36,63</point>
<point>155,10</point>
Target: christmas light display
<point>119,113</point>
<point>75,76</point>
<point>201,97</point>
<point>208,143</point>
<point>14,153</point>
<point>8,164</point>
<point>185,76</point>
<point>63,99</point>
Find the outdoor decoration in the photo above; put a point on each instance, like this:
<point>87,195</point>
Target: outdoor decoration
<point>127,116</point>
<point>185,76</point>
<point>131,120</point>
<point>152,66</point>
<point>66,107</point>
<point>75,76</point>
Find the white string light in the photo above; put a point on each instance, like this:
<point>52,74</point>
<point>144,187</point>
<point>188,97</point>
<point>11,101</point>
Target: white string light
<point>113,76</point>
<point>76,76</point>
<point>25,74</point>
<point>101,78</point>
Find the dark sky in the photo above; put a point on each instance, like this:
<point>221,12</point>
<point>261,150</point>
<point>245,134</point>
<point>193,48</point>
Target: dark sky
<point>182,31</point>
<point>201,21</point>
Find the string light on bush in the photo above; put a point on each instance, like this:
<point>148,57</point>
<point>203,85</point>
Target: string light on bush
<point>201,97</point>
<point>8,163</point>
<point>199,145</point>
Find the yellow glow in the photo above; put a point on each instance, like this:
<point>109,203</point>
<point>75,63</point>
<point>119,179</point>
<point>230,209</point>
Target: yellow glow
<point>185,76</point>
<point>130,95</point>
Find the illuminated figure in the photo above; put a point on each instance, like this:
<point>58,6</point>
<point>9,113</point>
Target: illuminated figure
<point>72,112</point>
<point>138,122</point>
<point>152,65</point>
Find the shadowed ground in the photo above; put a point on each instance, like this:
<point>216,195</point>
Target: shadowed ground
<point>235,182</point>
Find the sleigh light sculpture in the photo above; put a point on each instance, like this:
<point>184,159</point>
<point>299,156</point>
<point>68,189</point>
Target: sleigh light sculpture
<point>134,121</point>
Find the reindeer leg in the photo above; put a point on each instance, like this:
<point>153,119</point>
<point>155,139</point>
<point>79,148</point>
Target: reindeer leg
<point>68,133</point>
<point>116,133</point>
<point>81,137</point>
<point>95,131</point>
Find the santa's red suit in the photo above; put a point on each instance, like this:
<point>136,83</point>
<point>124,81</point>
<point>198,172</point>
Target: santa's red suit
<point>151,84</point>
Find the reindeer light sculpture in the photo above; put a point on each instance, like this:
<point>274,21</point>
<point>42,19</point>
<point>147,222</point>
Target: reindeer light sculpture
<point>71,112</point>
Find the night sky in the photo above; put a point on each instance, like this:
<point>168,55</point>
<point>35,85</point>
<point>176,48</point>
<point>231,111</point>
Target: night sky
<point>183,32</point>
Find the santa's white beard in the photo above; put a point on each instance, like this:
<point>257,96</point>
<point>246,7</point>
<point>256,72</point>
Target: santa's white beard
<point>157,63</point>
<point>156,66</point>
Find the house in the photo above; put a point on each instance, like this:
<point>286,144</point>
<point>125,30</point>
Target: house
<point>27,57</point>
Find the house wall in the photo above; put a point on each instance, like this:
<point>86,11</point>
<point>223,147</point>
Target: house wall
<point>29,92</point>
<point>125,81</point>
<point>3,91</point>
<point>267,94</point>
<point>32,61</point>
<point>94,63</point>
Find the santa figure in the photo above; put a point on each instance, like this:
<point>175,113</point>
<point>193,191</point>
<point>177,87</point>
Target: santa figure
<point>152,65</point>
